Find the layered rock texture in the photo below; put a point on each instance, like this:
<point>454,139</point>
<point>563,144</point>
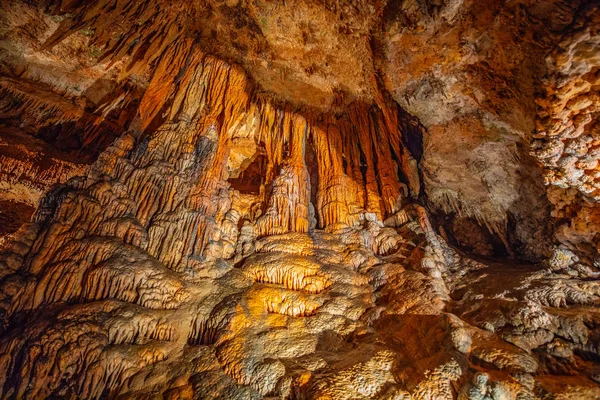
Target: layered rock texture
<point>299,199</point>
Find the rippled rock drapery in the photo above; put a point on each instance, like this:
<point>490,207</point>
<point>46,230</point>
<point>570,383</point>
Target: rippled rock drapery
<point>231,245</point>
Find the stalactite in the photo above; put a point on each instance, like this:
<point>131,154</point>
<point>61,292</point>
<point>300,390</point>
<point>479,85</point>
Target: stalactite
<point>54,118</point>
<point>408,164</point>
<point>289,195</point>
<point>361,120</point>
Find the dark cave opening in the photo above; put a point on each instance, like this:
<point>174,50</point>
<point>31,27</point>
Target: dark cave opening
<point>250,179</point>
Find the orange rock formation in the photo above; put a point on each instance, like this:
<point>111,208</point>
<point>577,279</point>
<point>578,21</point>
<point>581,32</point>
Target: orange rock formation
<point>206,227</point>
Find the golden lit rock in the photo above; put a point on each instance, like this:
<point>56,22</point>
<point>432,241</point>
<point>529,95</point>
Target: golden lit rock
<point>299,200</point>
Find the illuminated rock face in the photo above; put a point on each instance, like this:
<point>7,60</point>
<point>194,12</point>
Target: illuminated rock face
<point>206,239</point>
<point>566,139</point>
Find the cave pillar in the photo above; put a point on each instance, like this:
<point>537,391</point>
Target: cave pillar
<point>288,202</point>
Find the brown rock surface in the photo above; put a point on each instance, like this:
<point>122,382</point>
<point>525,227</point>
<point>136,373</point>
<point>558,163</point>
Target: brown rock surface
<point>251,199</point>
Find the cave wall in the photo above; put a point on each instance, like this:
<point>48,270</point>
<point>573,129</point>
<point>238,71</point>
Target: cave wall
<point>151,275</point>
<point>566,136</point>
<point>261,205</point>
<point>469,71</point>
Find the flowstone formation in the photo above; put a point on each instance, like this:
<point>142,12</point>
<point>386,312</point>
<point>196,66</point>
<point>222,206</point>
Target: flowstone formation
<point>203,227</point>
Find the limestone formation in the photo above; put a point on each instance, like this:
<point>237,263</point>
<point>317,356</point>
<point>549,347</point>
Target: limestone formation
<point>565,141</point>
<point>237,203</point>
